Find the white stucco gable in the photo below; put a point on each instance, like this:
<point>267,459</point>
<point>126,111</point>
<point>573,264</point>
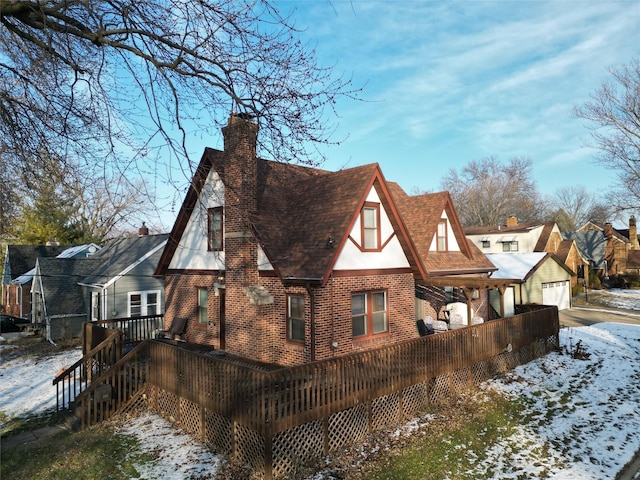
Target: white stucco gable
<point>452,242</point>
<point>390,255</point>
<point>192,252</point>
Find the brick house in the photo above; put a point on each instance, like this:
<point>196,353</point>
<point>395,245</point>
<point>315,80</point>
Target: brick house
<point>611,251</point>
<point>288,264</point>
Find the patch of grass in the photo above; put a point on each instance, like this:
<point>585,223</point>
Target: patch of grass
<point>94,453</point>
<point>450,450</point>
<point>12,426</point>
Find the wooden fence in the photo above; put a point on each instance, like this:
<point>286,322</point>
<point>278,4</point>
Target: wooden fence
<point>274,421</point>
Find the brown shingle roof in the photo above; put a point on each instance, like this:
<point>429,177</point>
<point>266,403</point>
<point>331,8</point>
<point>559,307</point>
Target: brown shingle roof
<point>543,239</point>
<point>421,214</point>
<point>564,249</point>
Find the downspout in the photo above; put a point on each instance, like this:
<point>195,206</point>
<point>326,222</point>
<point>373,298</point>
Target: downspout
<point>21,309</point>
<point>313,321</point>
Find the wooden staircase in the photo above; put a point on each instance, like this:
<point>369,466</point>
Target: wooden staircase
<point>104,382</point>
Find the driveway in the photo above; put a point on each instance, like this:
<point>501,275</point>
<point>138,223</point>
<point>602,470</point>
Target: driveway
<point>584,315</point>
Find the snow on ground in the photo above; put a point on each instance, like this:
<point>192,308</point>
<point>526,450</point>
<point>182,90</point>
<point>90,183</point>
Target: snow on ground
<point>26,386</point>
<point>583,415</point>
<point>177,455</point>
<point>582,420</point>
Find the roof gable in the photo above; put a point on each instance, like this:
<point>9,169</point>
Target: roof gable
<point>522,265</point>
<point>123,254</point>
<point>422,213</point>
<point>303,216</point>
<point>22,258</point>
<point>59,279</point>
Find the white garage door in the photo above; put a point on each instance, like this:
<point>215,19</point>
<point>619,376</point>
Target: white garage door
<point>556,293</point>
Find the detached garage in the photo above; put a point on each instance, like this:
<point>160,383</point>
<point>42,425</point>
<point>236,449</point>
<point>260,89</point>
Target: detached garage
<point>545,279</point>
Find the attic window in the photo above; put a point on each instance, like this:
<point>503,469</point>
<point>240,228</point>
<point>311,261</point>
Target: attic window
<point>370,224</point>
<point>215,230</point>
<point>442,236</point>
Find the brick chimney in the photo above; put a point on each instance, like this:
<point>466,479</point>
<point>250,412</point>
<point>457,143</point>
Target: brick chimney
<point>512,221</point>
<point>633,233</point>
<point>608,230</point>
<point>242,279</point>
<point>143,230</point>
<point>240,138</point>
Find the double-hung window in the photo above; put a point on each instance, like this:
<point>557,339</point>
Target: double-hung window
<point>369,314</point>
<point>370,222</point>
<point>295,318</point>
<point>140,304</point>
<point>215,229</point>
<point>203,305</point>
<point>510,246</point>
<point>442,236</point>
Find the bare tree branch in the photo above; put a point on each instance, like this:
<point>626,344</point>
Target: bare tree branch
<point>114,81</point>
<point>614,111</point>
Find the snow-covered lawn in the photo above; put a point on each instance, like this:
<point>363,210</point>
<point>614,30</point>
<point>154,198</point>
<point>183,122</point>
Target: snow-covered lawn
<point>582,422</point>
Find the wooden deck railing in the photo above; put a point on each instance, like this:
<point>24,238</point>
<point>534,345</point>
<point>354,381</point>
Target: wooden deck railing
<point>284,398</point>
<point>73,380</point>
<point>135,329</point>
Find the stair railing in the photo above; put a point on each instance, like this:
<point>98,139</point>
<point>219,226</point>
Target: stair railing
<point>110,392</point>
<point>72,381</point>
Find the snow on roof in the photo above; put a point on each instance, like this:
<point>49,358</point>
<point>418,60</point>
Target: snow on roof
<point>514,265</point>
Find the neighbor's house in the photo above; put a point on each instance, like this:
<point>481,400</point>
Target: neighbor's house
<point>115,282</point>
<point>514,237</point>
<point>123,285</point>
<point>19,268</point>
<point>289,264</point>
<point>607,248</point>
<point>57,298</point>
<point>542,278</point>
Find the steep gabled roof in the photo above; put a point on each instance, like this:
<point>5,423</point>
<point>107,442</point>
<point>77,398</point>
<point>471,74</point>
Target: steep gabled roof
<point>544,237</point>
<point>123,254</point>
<point>591,244</point>
<point>299,209</point>
<point>564,249</point>
<point>314,209</point>
<point>59,278</point>
<point>422,213</point>
<point>22,258</point>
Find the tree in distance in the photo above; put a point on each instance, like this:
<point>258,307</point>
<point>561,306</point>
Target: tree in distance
<point>614,115</point>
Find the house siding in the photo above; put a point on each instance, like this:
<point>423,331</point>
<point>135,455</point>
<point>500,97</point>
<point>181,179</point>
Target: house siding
<point>259,331</point>
<point>531,290</point>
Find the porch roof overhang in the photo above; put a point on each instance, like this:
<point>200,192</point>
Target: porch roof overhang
<point>461,281</point>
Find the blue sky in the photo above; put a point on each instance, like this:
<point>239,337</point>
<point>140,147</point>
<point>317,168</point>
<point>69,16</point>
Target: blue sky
<point>449,82</point>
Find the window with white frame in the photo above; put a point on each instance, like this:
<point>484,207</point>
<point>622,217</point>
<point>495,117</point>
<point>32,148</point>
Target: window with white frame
<point>141,304</point>
<point>215,228</point>
<point>442,236</point>
<point>203,305</point>
<point>511,246</point>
